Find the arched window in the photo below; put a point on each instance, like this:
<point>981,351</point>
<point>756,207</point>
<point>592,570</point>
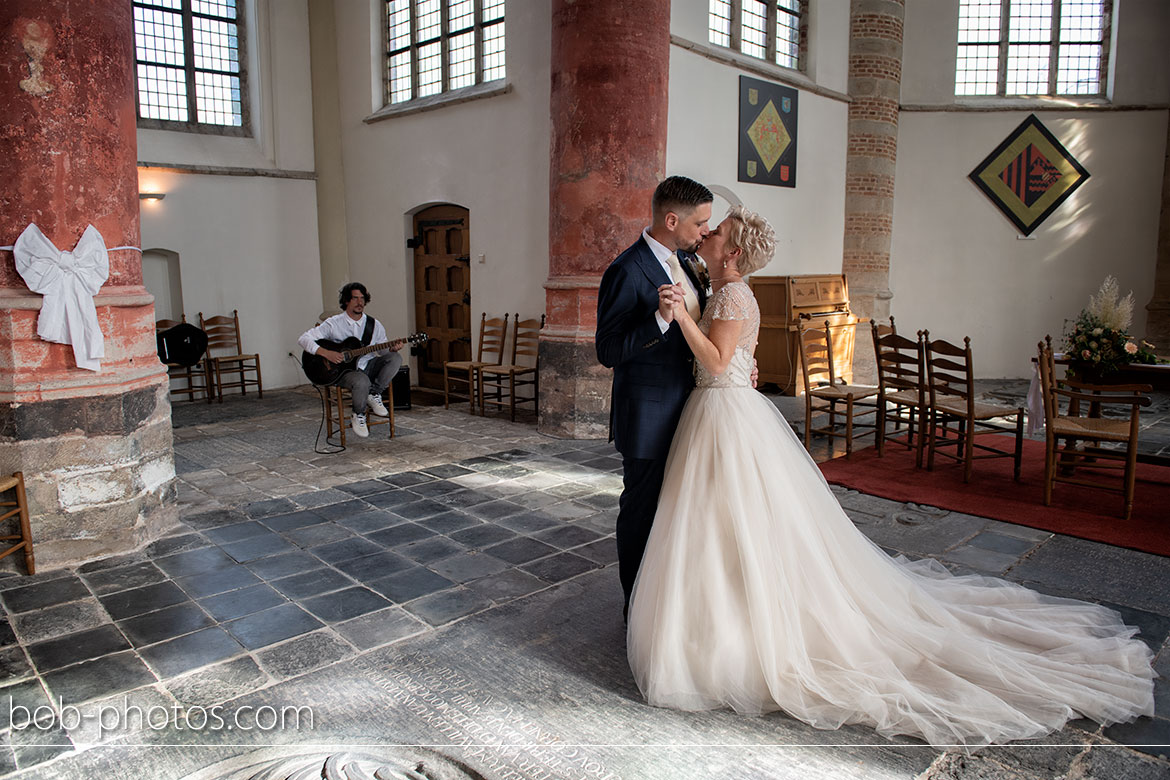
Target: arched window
<point>1033,47</point>
<point>189,65</point>
<point>770,31</point>
<point>437,46</point>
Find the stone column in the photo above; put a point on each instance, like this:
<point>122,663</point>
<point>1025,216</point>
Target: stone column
<point>608,153</point>
<point>875,76</point>
<point>1158,319</point>
<point>95,447</point>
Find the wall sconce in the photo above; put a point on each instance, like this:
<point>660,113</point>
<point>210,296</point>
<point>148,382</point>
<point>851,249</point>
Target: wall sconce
<point>155,196</point>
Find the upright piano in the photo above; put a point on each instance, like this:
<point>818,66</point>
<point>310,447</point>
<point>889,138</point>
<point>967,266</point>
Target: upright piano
<point>783,299</point>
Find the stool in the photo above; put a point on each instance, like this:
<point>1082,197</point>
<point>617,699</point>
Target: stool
<point>339,416</point>
<point>15,483</point>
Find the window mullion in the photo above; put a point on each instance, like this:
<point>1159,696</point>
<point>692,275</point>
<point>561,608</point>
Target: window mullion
<point>736,24</point>
<point>1005,13</point>
<point>189,62</point>
<point>770,36</point>
<point>1106,34</point>
<point>414,53</point>
<point>479,44</point>
<point>1054,48</point>
<point>444,45</point>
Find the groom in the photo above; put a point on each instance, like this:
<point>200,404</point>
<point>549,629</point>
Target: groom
<point>652,364</point>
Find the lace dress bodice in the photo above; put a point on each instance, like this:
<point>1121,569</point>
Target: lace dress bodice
<point>733,302</point>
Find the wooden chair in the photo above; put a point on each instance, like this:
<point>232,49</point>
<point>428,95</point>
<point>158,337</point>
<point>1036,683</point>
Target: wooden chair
<point>22,540</point>
<point>223,332</point>
<point>1093,430</point>
<point>954,410</point>
<point>489,352</point>
<point>505,379</point>
<point>901,365</point>
<point>339,410</point>
<point>177,372</point>
<point>826,393</point>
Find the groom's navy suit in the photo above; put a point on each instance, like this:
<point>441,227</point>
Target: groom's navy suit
<point>652,377</point>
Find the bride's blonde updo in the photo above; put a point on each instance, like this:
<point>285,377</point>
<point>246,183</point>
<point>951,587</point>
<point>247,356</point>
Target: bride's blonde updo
<point>751,233</point>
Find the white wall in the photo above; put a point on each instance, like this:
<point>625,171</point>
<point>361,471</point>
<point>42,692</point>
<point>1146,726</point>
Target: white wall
<point>958,266</point>
<point>248,242</point>
<point>702,140</point>
<point>490,156</point>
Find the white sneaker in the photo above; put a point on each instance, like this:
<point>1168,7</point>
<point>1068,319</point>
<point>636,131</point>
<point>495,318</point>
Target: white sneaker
<point>374,402</point>
<point>359,425</point>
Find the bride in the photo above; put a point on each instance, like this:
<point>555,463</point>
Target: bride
<point>758,593</point>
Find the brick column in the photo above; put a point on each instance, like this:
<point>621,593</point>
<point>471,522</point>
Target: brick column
<point>608,153</point>
<point>875,75</point>
<point>1158,319</point>
<point>95,447</point>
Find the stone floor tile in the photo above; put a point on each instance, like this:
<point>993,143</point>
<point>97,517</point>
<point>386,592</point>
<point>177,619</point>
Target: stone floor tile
<point>363,488</point>
<point>373,520</point>
<point>270,507</point>
<point>603,551</point>
<point>420,509</point>
<point>431,549</point>
<point>981,559</point>
<point>138,601</point>
<point>380,628</point>
<point>42,624</point>
<point>165,624</point>
<point>1149,735</point>
<point>44,594</point>
<point>342,510</point>
<point>236,532</point>
<point>569,510</point>
<point>443,607</point>
<point>448,522</point>
<point>201,561</point>
<point>99,678</point>
<point>989,540</point>
<point>403,533</point>
<point>344,604</point>
<point>217,683</point>
<point>258,547</point>
<point>390,499</point>
<point>312,583</point>
<point>176,544</point>
<point>313,535</point>
<point>530,522</point>
<point>215,582</point>
<point>237,603</point>
<point>75,648</point>
<point>319,498</point>
<point>496,511</point>
<point>192,651</point>
<point>521,549</point>
<point>273,625</point>
<point>482,535</point>
<point>283,565</point>
<point>409,584</point>
<point>27,694</point>
<point>371,567</point>
<point>346,550</point>
<point>33,747</point>
<point>303,654</point>
<point>434,488</point>
<point>407,478</point>
<point>123,578</point>
<point>506,585</point>
<point>559,567</point>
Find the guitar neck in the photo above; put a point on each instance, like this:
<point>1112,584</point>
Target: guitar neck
<point>356,353</point>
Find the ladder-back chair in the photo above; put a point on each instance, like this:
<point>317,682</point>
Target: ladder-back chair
<point>506,379</point>
<point>1081,423</point>
<point>954,410</point>
<point>223,333</point>
<point>901,366</point>
<point>826,393</point>
<point>489,352</point>
<point>339,409</point>
<point>17,507</point>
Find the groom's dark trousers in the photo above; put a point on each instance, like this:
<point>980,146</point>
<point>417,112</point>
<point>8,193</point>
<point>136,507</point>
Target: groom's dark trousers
<point>652,377</point>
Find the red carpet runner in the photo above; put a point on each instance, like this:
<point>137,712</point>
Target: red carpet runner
<point>1075,510</point>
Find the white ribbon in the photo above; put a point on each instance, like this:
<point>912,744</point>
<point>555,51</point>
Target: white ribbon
<point>68,281</point>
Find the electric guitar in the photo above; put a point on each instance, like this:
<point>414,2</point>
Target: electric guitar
<point>321,372</point>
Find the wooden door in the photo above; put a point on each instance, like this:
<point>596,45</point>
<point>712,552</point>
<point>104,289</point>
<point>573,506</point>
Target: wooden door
<point>442,289</point>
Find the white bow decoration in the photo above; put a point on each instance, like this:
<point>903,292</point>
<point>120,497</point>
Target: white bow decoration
<point>68,281</point>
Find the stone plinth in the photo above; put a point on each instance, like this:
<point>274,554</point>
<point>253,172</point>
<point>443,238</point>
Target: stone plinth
<point>608,109</point>
<point>95,447</point>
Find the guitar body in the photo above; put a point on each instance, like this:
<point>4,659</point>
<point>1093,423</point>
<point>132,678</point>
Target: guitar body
<point>320,371</point>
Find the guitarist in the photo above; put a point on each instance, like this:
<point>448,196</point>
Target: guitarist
<point>372,373</point>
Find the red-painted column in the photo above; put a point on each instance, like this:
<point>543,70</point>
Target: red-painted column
<point>608,153</point>
<point>95,447</point>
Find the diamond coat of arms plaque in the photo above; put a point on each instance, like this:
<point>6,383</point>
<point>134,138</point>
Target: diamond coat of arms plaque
<point>1029,175</point>
<point>767,133</point>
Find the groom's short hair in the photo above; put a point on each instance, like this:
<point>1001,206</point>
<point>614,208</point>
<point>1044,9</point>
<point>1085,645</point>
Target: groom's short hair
<point>678,193</point>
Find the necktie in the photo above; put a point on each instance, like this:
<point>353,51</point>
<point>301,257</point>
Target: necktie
<point>689,297</point>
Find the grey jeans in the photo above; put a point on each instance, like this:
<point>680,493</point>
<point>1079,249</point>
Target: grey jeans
<point>371,380</point>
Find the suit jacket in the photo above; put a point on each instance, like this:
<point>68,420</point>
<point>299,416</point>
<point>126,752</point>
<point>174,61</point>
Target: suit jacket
<point>652,371</point>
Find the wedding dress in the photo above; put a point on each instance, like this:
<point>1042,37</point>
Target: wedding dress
<point>758,593</point>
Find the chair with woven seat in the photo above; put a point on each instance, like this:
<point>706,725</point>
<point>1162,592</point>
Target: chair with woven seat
<point>223,332</point>
<point>339,409</point>
<point>507,378</point>
<point>826,393</point>
<point>488,352</point>
<point>953,409</point>
<point>1081,422</point>
<point>901,367</point>
<point>17,507</point>
<point>184,374</point>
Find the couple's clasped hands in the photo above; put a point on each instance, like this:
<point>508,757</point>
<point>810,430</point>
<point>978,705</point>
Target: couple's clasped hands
<point>670,298</point>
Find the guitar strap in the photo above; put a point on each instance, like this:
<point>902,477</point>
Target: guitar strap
<point>368,334</point>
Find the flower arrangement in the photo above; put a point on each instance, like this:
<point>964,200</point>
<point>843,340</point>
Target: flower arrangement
<point>699,269</point>
<point>1099,342</point>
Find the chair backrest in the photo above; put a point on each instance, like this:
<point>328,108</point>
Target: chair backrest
<point>526,338</point>
<point>223,332</point>
<point>1046,365</point>
<point>161,325</point>
<point>816,355</point>
<point>901,363</point>
<point>492,335</point>
<point>949,371</point>
<point>1076,392</point>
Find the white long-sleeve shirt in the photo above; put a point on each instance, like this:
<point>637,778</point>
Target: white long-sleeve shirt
<point>339,327</point>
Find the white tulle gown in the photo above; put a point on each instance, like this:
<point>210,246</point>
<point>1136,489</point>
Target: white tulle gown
<point>758,593</point>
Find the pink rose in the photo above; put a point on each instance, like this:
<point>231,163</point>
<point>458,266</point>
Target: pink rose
<point>1086,354</point>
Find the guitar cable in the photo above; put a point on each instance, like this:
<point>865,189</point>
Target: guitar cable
<point>322,392</point>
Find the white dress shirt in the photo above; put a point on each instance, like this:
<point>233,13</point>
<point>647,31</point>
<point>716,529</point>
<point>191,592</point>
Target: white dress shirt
<point>662,255</point>
<point>339,327</point>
